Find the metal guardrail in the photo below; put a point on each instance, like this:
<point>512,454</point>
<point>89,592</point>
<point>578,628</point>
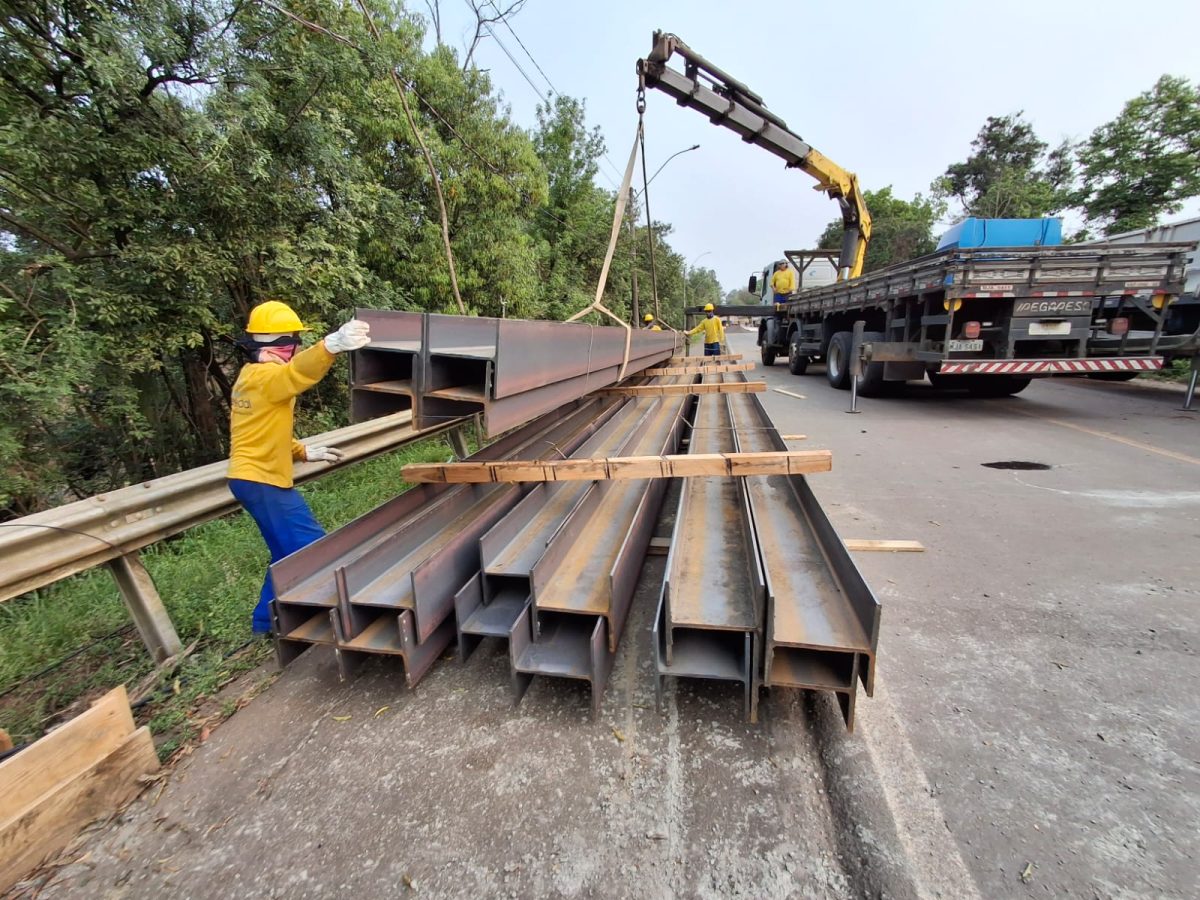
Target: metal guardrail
<point>111,528</point>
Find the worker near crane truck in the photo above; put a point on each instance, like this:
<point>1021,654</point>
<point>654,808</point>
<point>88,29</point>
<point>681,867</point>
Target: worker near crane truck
<point>648,323</point>
<point>714,331</point>
<point>783,281</point>
<point>262,446</point>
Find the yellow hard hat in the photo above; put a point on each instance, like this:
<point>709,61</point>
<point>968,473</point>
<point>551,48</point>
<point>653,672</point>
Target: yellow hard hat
<point>708,307</point>
<point>647,318</point>
<point>273,317</point>
<point>656,328</point>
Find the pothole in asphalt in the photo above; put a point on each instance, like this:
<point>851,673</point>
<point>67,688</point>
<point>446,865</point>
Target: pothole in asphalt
<point>1022,464</point>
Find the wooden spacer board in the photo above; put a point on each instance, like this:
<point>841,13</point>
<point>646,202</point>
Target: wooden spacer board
<point>677,390</point>
<point>889,546</point>
<point>690,465</point>
<point>703,360</point>
<point>701,370</point>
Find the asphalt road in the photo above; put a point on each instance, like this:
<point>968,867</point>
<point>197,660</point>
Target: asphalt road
<point>1042,652</point>
<point>1035,716</point>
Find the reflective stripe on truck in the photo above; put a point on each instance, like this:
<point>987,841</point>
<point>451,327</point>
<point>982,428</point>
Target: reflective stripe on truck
<point>1050,366</point>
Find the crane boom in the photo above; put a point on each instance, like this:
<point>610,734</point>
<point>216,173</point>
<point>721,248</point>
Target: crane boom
<point>730,103</point>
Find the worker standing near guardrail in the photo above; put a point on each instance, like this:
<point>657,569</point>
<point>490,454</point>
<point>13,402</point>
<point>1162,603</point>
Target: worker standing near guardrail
<point>714,331</point>
<point>783,282</point>
<point>262,446</point>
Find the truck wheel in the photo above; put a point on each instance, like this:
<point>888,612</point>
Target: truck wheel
<point>837,360</point>
<point>871,383</point>
<point>768,355</point>
<point>797,361</point>
<point>996,385</point>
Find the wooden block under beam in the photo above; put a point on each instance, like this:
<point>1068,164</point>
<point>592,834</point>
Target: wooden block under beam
<point>676,390</point>
<point>701,370</point>
<point>658,546</point>
<point>794,437</point>
<point>692,465</point>
<point>703,360</point>
<point>889,546</point>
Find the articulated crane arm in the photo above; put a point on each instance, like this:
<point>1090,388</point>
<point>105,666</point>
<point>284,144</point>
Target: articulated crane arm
<point>730,103</point>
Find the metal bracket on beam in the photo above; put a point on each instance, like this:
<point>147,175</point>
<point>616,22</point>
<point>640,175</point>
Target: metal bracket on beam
<point>146,606</point>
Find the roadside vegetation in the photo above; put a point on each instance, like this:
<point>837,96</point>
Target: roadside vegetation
<point>66,644</point>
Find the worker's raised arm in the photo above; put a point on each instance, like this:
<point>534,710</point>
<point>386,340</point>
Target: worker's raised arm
<point>699,328</point>
<point>309,366</point>
<point>295,377</point>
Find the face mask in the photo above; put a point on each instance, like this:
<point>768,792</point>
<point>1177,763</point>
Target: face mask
<point>708,315</point>
<point>282,348</point>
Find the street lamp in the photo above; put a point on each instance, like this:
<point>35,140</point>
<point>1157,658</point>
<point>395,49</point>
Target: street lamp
<point>664,165</point>
<point>686,268</point>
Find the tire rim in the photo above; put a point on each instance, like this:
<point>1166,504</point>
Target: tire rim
<point>834,360</point>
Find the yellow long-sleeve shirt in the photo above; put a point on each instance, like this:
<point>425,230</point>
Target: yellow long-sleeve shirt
<point>714,331</point>
<point>261,445</point>
<point>783,281</point>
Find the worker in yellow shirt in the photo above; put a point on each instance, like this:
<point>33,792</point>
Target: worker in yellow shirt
<point>783,282</point>
<point>648,323</point>
<point>262,447</point>
<point>714,331</point>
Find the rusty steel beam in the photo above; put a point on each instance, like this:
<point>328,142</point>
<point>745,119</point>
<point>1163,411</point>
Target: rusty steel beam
<point>491,604</point>
<point>822,619</point>
<point>509,371</point>
<point>583,584</point>
<point>711,607</point>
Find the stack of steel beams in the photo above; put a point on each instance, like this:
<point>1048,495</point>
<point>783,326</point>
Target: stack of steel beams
<point>759,588</point>
<point>385,582</point>
<point>508,370</point>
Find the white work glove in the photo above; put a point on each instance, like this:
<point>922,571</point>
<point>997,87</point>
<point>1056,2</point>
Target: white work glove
<point>324,454</point>
<point>354,335</point>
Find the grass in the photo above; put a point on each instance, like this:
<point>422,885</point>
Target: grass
<point>1180,370</point>
<point>209,579</point>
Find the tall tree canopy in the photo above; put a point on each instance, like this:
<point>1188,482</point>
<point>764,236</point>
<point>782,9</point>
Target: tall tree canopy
<point>900,229</point>
<point>1145,162</point>
<point>167,164</point>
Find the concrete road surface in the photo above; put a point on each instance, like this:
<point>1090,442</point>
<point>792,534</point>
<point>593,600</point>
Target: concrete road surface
<point>1034,733</point>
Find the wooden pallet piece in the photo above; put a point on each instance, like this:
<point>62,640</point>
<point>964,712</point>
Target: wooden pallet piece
<point>703,360</point>
<point>676,390</point>
<point>694,465</point>
<point>72,776</point>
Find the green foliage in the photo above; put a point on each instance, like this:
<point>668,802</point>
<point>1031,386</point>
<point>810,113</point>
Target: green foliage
<point>900,229</point>
<point>166,165</point>
<point>1146,161</point>
<point>209,580</point>
<point>1011,173</point>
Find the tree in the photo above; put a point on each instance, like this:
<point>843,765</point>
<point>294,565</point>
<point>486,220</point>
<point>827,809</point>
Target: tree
<point>1146,161</point>
<point>1010,173</point>
<point>900,229</point>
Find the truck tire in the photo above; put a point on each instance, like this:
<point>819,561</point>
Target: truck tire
<point>768,355</point>
<point>871,383</point>
<point>837,361</point>
<point>797,361</point>
<point>995,385</point>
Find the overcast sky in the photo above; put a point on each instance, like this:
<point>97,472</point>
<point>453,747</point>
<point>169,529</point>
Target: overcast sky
<point>894,91</point>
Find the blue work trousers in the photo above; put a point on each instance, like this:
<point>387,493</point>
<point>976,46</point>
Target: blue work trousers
<point>712,349</point>
<point>286,523</point>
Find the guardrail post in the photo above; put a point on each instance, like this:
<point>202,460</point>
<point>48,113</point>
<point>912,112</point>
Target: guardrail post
<point>1191,388</point>
<point>146,606</point>
<point>458,441</point>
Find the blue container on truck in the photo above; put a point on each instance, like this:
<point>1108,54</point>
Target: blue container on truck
<point>972,232</point>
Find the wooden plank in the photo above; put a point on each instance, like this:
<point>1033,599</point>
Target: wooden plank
<point>693,465</point>
<point>65,752</point>
<point>676,390</point>
<point>51,821</point>
<point>658,546</point>
<point>790,394</point>
<point>701,370</point>
<point>794,437</point>
<point>890,546</point>
<point>703,360</point>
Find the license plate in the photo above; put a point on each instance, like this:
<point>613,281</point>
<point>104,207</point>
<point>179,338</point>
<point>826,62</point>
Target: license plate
<point>1044,329</point>
<point>964,346</point>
